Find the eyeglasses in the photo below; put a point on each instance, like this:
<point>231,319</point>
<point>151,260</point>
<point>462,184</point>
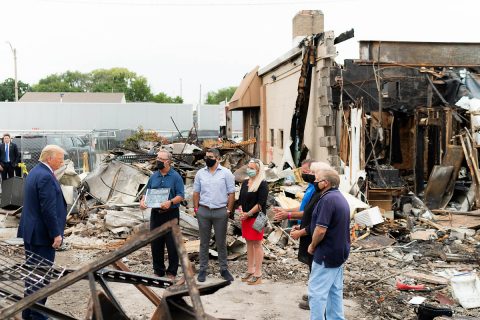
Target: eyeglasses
<point>210,157</point>
<point>255,160</point>
<point>319,181</point>
<point>160,159</point>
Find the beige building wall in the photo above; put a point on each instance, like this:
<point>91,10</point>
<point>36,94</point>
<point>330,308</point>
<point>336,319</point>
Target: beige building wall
<point>281,85</point>
<point>280,97</point>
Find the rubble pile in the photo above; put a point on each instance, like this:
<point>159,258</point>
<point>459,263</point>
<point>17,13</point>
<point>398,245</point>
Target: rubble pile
<point>401,260</point>
<point>394,270</point>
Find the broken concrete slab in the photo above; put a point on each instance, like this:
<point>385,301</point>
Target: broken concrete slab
<point>7,233</point>
<point>461,233</point>
<point>126,218</point>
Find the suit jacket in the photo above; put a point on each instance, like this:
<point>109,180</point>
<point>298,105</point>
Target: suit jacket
<point>44,210</point>
<point>13,154</point>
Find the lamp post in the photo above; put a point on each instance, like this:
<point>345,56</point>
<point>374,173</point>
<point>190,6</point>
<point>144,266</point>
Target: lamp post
<point>14,51</point>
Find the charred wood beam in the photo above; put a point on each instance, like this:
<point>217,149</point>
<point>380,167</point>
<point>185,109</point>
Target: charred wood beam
<point>419,161</point>
<point>344,36</point>
<point>299,118</point>
<point>436,90</point>
<point>97,308</point>
<point>188,274</point>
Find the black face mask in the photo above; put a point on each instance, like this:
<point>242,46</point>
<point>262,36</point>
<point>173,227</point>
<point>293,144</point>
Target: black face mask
<point>210,162</point>
<point>307,177</point>
<point>317,188</point>
<point>160,165</point>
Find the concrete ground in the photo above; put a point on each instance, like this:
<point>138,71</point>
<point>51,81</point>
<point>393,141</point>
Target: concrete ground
<point>270,300</point>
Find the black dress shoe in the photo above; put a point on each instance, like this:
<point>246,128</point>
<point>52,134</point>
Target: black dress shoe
<point>226,275</point>
<point>202,276</point>
<point>304,305</point>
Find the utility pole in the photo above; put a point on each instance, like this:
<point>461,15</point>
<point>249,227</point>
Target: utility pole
<point>200,96</point>
<point>14,51</point>
<point>180,87</point>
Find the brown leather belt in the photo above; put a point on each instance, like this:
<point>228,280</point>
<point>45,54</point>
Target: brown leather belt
<point>201,205</point>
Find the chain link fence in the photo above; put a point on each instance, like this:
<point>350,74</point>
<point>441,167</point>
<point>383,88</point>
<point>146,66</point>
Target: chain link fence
<point>78,149</point>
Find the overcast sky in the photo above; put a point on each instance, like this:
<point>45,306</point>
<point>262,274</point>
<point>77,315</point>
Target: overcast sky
<point>211,43</point>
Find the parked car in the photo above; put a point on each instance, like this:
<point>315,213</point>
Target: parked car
<point>30,147</point>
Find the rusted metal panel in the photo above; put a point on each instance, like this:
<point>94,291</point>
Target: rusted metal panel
<point>448,54</point>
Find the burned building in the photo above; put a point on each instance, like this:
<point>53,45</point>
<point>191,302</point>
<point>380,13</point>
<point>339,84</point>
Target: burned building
<point>388,121</point>
<point>399,101</point>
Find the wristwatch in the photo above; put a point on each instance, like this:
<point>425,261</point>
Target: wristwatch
<point>171,203</point>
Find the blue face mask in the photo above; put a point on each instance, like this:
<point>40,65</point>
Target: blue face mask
<point>251,172</point>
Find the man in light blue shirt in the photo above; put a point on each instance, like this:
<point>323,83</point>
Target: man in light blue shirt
<point>213,199</point>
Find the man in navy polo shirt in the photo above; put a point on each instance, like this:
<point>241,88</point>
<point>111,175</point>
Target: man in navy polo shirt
<point>165,177</point>
<point>330,247</point>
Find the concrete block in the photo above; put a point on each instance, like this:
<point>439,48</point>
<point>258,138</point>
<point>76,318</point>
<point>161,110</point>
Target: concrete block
<point>328,141</point>
<point>334,160</point>
<point>461,233</point>
<point>325,110</point>
<point>325,121</point>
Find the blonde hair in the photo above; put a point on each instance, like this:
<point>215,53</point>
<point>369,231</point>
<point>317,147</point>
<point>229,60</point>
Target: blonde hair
<point>259,177</point>
<point>50,151</point>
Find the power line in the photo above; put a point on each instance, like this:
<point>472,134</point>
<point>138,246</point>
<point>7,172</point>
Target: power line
<point>169,3</point>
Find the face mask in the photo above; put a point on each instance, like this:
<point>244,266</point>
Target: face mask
<point>310,178</point>
<point>160,165</point>
<point>210,162</point>
<point>251,172</point>
<point>317,188</point>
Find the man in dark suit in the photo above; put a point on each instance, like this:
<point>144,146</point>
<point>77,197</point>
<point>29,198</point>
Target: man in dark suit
<point>43,217</point>
<point>9,157</point>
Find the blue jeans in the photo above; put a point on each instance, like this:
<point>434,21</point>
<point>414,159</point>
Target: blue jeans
<point>325,292</point>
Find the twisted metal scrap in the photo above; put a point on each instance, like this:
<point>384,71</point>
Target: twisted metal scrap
<point>23,272</point>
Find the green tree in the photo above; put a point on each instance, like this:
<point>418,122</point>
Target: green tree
<point>162,97</point>
<point>70,81</point>
<point>134,87</point>
<point>215,97</point>
<point>7,89</point>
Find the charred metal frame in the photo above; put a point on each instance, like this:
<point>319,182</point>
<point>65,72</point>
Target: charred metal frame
<point>172,302</point>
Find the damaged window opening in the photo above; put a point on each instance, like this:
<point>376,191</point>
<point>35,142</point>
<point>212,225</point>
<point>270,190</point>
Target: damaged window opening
<point>272,138</point>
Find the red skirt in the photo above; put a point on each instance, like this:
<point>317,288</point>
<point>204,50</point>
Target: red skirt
<point>248,232</point>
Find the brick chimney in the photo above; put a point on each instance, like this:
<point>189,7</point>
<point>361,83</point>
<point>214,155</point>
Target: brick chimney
<point>305,23</point>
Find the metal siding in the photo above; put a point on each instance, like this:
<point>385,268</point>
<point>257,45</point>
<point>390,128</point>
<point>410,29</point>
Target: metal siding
<point>90,116</point>
<point>421,53</point>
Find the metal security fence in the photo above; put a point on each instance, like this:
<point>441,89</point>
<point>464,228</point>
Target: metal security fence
<point>78,148</point>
